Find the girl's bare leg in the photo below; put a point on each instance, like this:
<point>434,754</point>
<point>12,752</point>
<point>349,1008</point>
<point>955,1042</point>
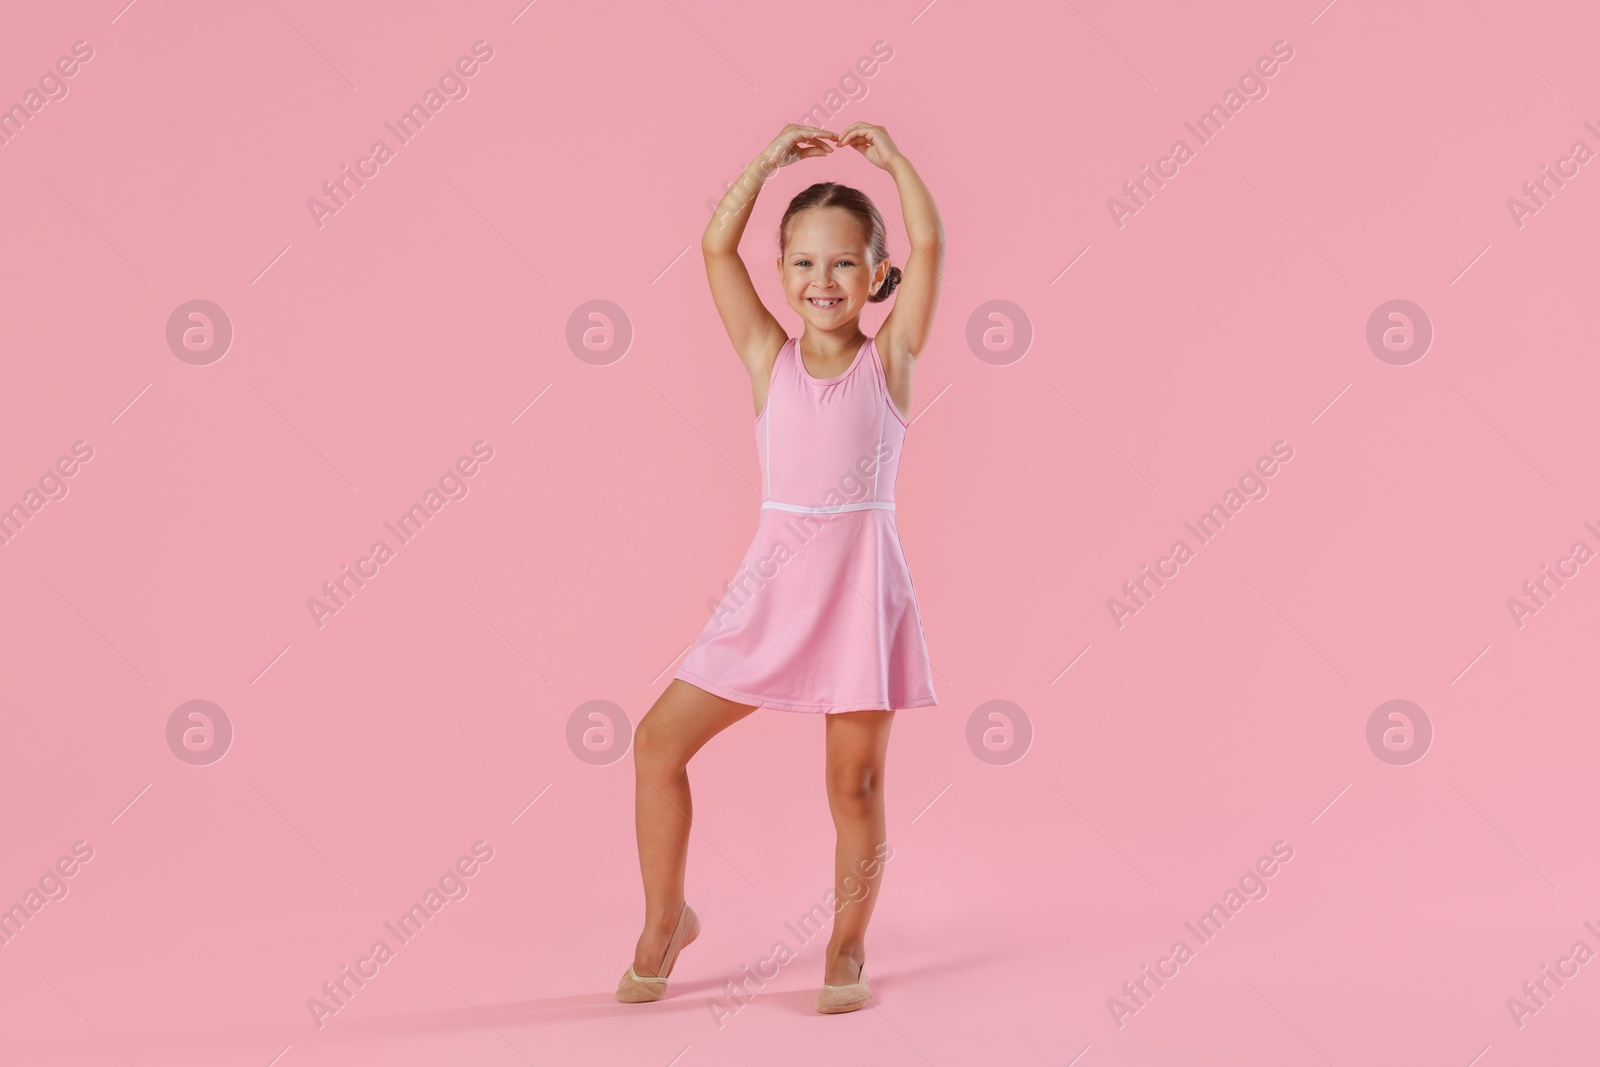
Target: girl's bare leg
<point>858,744</point>
<point>683,718</point>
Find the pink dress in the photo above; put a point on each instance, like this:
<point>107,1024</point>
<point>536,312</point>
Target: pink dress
<point>821,615</point>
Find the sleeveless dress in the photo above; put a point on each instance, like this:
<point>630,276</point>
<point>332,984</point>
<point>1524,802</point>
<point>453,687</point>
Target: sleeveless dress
<point>821,615</point>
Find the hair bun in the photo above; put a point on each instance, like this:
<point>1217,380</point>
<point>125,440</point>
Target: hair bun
<point>890,280</point>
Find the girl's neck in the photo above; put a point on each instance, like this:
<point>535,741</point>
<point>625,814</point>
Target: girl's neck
<point>832,347</point>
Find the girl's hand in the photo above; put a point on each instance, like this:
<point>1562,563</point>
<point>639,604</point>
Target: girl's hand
<point>797,142</point>
<point>871,141</point>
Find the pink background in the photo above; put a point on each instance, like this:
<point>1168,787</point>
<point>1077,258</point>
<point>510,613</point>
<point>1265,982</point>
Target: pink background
<point>371,353</point>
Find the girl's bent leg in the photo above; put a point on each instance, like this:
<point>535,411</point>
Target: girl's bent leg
<point>683,718</point>
<point>858,746</point>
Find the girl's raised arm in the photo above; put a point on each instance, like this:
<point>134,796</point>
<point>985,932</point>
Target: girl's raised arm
<point>905,331</point>
<point>756,334</point>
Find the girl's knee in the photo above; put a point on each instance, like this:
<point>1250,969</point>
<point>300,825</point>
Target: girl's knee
<point>654,748</point>
<point>855,790</point>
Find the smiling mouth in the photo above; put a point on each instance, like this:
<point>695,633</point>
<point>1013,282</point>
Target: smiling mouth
<point>818,302</point>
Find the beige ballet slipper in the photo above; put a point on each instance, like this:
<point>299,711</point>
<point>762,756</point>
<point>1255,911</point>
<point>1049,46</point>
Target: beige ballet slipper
<point>833,999</point>
<point>640,988</point>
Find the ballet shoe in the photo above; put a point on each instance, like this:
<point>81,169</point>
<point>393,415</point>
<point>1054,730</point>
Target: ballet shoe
<point>637,988</point>
<point>833,999</point>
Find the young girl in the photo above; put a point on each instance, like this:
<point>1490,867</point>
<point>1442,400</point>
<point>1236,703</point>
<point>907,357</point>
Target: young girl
<point>821,616</point>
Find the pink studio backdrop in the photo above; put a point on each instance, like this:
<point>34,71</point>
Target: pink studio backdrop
<point>1098,379</point>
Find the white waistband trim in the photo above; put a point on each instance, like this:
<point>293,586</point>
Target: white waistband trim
<point>886,505</point>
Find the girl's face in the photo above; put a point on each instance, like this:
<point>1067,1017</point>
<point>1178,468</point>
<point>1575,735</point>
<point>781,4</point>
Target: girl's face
<point>825,272</point>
